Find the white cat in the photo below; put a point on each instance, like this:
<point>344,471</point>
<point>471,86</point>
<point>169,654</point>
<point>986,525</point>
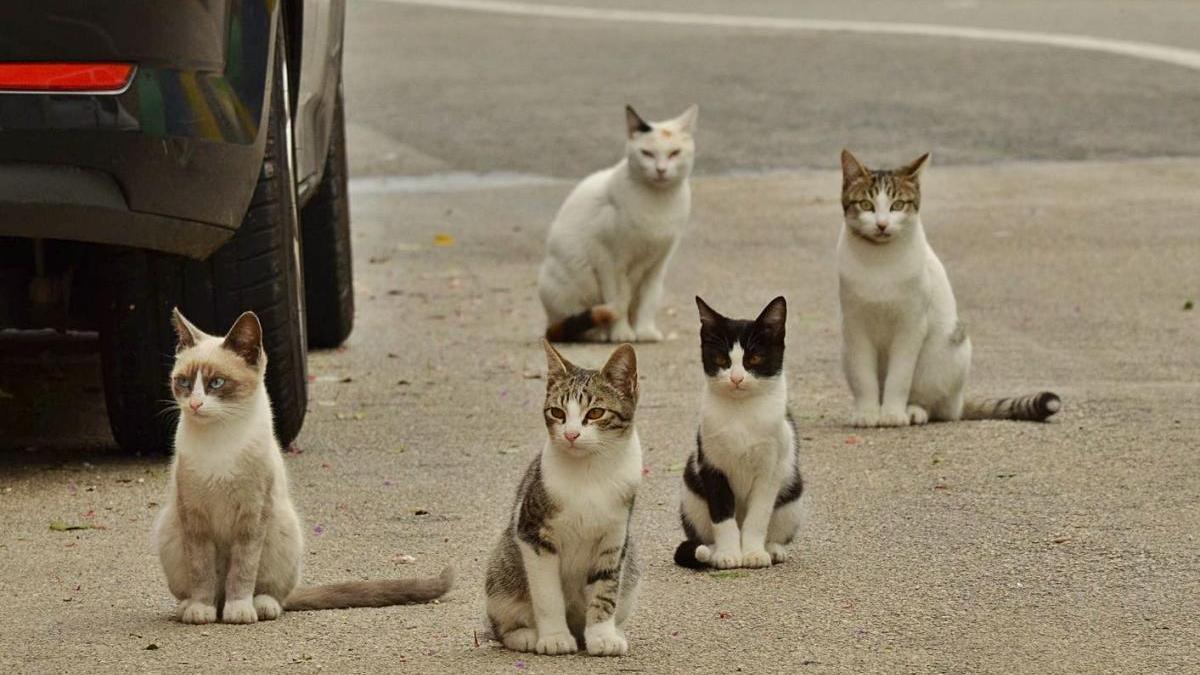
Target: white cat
<point>905,352</point>
<point>609,246</point>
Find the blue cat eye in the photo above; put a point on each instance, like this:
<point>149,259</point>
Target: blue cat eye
<point>216,383</point>
<point>183,382</point>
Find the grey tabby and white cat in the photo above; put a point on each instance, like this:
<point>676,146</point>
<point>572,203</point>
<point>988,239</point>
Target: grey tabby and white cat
<point>228,535</point>
<point>564,575</point>
<point>609,245</point>
<point>742,485</point>
<point>905,352</point>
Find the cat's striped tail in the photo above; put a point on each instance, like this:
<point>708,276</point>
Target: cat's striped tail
<point>572,328</point>
<point>381,593</point>
<point>692,554</point>
<point>1032,408</point>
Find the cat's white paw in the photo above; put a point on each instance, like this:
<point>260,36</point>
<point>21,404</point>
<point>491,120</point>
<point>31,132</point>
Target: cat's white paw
<point>893,418</point>
<point>191,611</point>
<point>724,559</point>
<point>622,334</point>
<point>917,415</point>
<point>557,643</point>
<point>239,611</point>
<point>649,334</point>
<point>864,418</point>
<point>521,640</point>
<point>778,553</point>
<point>267,607</point>
<point>604,640</point>
<point>759,558</point>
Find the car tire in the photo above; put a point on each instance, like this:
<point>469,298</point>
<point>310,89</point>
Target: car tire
<point>258,269</point>
<point>325,226</point>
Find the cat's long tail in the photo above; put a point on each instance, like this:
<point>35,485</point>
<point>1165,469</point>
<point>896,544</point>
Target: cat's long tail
<point>370,593</point>
<point>573,327</point>
<point>692,554</point>
<point>1032,408</point>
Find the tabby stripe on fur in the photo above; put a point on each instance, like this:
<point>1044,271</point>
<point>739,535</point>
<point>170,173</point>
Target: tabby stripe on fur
<point>1031,408</point>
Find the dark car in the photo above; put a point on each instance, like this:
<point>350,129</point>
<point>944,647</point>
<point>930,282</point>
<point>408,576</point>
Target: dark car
<point>184,153</point>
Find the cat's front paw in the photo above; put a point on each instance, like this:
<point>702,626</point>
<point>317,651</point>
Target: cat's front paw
<point>193,612</point>
<point>239,611</point>
<point>893,418</point>
<point>778,553</point>
<point>759,558</point>
<point>724,559</point>
<point>917,415</point>
<point>604,640</point>
<point>561,642</point>
<point>622,334</point>
<point>649,334</point>
<point>521,640</point>
<point>864,418</point>
<point>267,607</point>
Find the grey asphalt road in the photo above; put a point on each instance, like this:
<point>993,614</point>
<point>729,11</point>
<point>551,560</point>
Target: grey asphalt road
<point>956,548</point>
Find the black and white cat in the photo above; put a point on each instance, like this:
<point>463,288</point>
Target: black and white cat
<point>742,485</point>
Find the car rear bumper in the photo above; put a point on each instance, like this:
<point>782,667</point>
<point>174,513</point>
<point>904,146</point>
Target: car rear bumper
<point>171,162</point>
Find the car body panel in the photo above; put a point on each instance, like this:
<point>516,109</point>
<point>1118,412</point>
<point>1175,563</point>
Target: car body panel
<point>182,144</point>
<point>322,30</point>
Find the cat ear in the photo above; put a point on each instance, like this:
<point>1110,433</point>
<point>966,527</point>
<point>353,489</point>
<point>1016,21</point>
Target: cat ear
<point>634,123</point>
<point>774,316</point>
<point>188,334</point>
<point>556,365</point>
<point>245,338</point>
<point>914,169</point>
<point>708,315</point>
<point>621,370</point>
<point>687,121</point>
<point>852,168</point>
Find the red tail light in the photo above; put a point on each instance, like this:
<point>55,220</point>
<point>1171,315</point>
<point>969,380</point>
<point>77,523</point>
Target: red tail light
<point>65,77</point>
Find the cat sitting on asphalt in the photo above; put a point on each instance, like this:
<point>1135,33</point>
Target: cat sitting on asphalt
<point>741,487</point>
<point>564,574</point>
<point>228,537</point>
<point>905,352</point>
<point>609,246</point>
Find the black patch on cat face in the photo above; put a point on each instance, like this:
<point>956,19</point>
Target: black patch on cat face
<point>762,338</point>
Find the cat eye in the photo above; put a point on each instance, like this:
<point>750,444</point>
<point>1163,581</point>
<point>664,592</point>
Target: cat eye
<point>647,153</point>
<point>183,382</point>
<point>900,206</point>
<point>557,413</point>
<point>753,360</point>
<point>595,413</point>
<point>865,205</point>
<point>216,383</point>
<point>674,154</point>
<point>722,361</point>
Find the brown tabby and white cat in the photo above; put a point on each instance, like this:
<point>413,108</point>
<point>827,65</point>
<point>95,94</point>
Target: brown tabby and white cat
<point>564,574</point>
<point>228,536</point>
<point>905,352</point>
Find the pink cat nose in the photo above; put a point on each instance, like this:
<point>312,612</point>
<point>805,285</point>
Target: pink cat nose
<point>195,405</point>
<point>661,171</point>
<point>881,226</point>
<point>571,435</point>
<point>736,379</point>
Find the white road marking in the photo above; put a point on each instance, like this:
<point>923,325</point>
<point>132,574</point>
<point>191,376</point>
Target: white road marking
<point>1139,50</point>
<point>457,181</point>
